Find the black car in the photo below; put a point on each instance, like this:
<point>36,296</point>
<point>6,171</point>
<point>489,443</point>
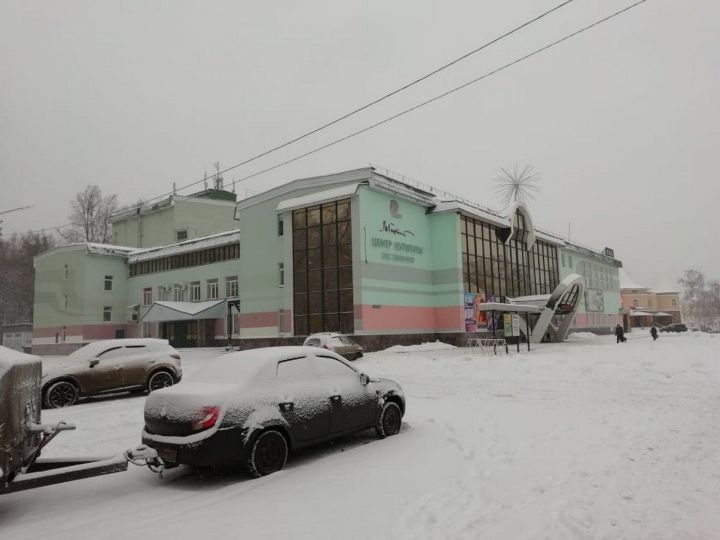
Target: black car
<point>253,407</point>
<point>674,327</point>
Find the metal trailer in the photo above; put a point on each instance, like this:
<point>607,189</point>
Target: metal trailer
<point>23,436</point>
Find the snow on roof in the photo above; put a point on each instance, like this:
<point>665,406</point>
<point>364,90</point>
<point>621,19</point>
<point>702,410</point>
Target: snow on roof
<point>162,311</point>
<point>640,314</point>
<point>665,292</point>
<point>91,247</point>
<point>318,197</point>
<point>485,214</point>
<point>626,282</point>
<point>203,242</point>
<point>107,249</point>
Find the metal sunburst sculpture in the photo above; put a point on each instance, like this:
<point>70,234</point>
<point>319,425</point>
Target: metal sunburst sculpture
<point>517,185</point>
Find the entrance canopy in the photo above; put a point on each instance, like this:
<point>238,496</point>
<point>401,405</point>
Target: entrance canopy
<point>508,308</point>
<point>162,311</point>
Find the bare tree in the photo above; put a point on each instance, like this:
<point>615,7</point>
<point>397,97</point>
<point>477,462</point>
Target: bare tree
<point>17,278</point>
<point>90,216</point>
<point>517,184</point>
<point>701,297</point>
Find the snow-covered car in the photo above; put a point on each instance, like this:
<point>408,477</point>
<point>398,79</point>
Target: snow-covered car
<point>254,407</point>
<point>108,366</point>
<point>338,343</point>
<point>674,327</point>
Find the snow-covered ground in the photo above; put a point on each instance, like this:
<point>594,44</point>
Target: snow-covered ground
<point>585,439</point>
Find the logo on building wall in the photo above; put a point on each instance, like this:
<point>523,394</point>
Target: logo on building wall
<point>395,209</point>
<point>390,227</point>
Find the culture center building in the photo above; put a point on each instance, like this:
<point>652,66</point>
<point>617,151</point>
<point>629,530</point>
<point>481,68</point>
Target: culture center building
<point>364,252</point>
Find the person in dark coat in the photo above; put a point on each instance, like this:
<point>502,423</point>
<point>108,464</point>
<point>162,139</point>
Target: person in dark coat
<point>653,333</point>
<point>619,333</point>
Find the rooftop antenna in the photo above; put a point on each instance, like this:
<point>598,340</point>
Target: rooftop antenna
<point>174,189</point>
<point>218,177</point>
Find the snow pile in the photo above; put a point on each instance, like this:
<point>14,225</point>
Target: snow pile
<point>583,439</point>
<point>579,336</point>
<point>423,347</point>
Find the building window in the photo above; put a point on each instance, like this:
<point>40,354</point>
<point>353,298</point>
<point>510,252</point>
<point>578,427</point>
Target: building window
<point>181,235</point>
<point>107,313</point>
<point>212,289</point>
<point>280,225</point>
<point>162,293</point>
<point>147,296</point>
<point>322,269</point>
<point>108,283</point>
<point>281,272</point>
<point>66,275</point>
<point>186,260</point>
<point>231,286</point>
<point>195,291</point>
<point>179,292</point>
<point>495,269</point>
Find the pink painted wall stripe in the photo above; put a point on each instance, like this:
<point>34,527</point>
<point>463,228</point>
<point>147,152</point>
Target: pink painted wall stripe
<point>411,317</point>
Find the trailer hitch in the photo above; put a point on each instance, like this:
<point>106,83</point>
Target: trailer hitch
<point>143,455</point>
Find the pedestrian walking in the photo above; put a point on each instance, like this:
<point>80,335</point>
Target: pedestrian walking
<point>619,333</point>
<point>653,332</point>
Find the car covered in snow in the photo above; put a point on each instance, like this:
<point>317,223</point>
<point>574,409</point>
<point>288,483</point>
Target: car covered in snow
<point>338,343</point>
<point>108,366</point>
<point>674,327</point>
<point>252,408</point>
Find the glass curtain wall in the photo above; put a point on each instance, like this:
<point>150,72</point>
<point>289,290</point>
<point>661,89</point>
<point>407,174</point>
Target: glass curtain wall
<point>322,269</point>
<point>497,270</point>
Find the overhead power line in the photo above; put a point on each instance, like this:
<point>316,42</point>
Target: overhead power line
<point>445,94</point>
<point>375,101</point>
<point>349,114</point>
<point>406,111</point>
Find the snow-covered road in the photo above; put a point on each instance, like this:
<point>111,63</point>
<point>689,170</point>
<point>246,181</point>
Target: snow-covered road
<point>586,439</point>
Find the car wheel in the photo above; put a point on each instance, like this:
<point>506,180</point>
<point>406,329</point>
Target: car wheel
<point>61,394</point>
<point>268,453</point>
<point>389,421</point>
<point>159,379</point>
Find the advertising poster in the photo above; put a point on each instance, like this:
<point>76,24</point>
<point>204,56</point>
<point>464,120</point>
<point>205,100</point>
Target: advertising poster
<point>507,324</point>
<point>474,318</point>
<point>480,316</point>
<point>594,300</point>
<point>516,321</point>
<point>470,322</point>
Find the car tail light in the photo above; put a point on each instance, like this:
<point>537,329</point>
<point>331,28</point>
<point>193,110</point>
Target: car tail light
<point>326,347</point>
<point>175,356</point>
<point>210,416</point>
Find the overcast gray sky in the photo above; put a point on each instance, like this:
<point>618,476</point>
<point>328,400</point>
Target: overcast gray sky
<point>622,122</point>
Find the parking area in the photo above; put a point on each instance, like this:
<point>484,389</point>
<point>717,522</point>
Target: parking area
<point>583,439</point>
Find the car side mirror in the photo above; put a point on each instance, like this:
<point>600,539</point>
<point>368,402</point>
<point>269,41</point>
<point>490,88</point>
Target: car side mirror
<point>364,379</point>
<point>94,362</point>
